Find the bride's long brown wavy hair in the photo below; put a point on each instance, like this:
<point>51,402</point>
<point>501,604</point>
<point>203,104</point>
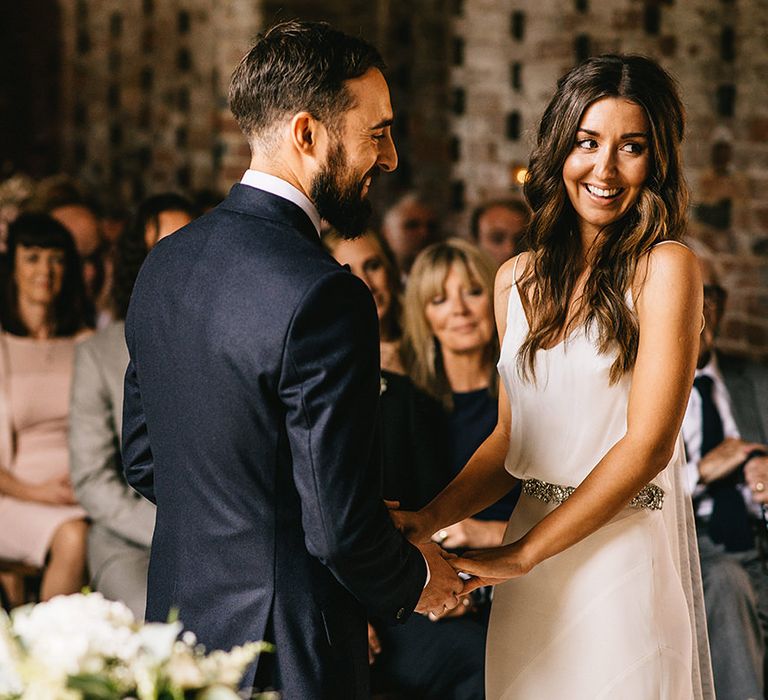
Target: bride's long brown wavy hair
<point>658,214</point>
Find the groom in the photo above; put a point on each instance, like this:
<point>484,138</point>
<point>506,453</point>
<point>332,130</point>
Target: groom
<point>251,393</point>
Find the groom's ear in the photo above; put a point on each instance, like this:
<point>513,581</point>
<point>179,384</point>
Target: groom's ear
<point>308,135</point>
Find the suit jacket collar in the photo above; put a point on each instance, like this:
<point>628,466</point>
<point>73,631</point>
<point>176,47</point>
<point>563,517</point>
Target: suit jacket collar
<point>255,202</point>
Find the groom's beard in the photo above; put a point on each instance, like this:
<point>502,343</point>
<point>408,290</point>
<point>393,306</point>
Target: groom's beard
<point>340,202</point>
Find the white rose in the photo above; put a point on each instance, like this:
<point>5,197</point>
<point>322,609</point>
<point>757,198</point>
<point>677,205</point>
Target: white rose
<point>157,640</point>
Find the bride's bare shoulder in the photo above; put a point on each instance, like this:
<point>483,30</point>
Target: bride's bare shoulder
<point>668,275</point>
<point>668,264</point>
<point>507,276</point>
<point>510,272</point>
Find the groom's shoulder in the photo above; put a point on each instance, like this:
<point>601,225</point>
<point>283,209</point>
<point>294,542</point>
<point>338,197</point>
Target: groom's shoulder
<point>225,236</point>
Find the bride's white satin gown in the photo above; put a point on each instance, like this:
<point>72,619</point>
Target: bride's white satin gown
<point>608,617</point>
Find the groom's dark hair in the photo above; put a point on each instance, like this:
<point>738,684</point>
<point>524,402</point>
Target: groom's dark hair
<point>297,66</point>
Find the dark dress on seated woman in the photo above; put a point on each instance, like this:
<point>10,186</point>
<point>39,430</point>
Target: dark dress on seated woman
<point>472,420</point>
<point>414,454</point>
<point>423,448</point>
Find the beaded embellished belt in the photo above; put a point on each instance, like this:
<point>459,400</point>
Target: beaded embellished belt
<point>650,496</point>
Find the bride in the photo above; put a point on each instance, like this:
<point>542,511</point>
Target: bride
<point>597,581</point>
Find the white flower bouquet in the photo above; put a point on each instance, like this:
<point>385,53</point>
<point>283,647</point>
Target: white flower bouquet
<point>84,647</point>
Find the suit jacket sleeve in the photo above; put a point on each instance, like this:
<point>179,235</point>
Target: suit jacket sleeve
<point>94,456</point>
<point>138,465</point>
<point>330,385</point>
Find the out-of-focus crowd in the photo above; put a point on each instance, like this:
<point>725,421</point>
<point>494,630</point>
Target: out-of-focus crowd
<point>67,517</point>
<point>68,268</point>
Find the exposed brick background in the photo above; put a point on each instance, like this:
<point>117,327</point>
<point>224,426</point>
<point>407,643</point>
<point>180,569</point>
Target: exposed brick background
<point>717,50</point>
<point>144,83</point>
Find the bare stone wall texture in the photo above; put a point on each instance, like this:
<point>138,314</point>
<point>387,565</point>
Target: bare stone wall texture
<point>513,53</point>
<point>144,87</point>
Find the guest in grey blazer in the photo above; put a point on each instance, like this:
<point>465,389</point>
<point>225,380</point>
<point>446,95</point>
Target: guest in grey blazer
<point>123,521</point>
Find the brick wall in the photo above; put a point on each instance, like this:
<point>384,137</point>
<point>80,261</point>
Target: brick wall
<point>145,81</point>
<point>144,101</point>
<point>514,51</point>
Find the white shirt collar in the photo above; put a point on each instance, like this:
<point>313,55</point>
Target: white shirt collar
<point>282,188</point>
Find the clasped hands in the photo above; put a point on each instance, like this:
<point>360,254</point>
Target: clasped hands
<point>480,567</point>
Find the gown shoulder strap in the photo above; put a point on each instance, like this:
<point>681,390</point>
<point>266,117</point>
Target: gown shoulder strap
<point>514,269</point>
<point>675,242</point>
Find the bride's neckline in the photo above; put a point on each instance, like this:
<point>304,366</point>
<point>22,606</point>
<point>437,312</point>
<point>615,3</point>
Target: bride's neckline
<point>573,334</point>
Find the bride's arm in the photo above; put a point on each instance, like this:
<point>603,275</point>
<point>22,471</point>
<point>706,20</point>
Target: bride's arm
<point>669,314</point>
<point>483,480</point>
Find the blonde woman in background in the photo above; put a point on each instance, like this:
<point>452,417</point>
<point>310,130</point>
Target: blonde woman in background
<point>425,658</point>
<point>450,349</point>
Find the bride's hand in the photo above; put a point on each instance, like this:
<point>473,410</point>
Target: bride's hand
<point>489,567</point>
<point>413,524</point>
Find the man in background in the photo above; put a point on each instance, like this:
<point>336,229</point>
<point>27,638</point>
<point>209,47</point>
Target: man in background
<point>409,226</point>
<point>499,228</point>
<point>725,431</point>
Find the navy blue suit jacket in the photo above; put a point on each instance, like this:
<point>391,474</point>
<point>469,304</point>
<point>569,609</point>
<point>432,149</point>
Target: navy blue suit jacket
<point>249,415</point>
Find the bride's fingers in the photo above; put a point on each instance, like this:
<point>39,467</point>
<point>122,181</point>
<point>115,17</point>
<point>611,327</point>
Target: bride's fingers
<point>476,582</point>
<point>470,566</point>
<point>462,563</point>
<point>392,505</point>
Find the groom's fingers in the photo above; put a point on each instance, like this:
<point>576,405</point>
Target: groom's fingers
<point>451,602</point>
<point>392,505</point>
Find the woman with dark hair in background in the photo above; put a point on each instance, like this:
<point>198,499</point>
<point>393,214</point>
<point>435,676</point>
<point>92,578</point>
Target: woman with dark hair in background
<point>412,424</point>
<point>598,592</point>
<point>122,521</point>
<point>42,313</point>
<point>370,259</point>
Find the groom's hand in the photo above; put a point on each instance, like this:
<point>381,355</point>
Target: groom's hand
<point>444,587</point>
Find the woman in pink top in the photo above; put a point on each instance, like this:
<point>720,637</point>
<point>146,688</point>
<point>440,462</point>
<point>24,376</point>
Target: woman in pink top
<point>42,315</point>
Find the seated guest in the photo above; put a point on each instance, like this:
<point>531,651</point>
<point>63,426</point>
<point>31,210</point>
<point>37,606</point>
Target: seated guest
<point>424,658</point>
<point>42,314</point>
<point>82,221</point>
<point>409,225</point>
<point>725,431</point>
<point>412,424</point>
<point>450,350</point>
<point>499,227</point>
<point>369,259</point>
<point>64,200</point>
<point>122,521</point>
